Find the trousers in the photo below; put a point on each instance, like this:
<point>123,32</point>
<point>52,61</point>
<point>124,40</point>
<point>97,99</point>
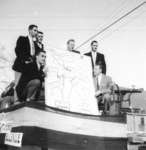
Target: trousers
<point>31,90</point>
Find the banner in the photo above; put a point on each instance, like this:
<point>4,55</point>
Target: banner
<point>69,83</point>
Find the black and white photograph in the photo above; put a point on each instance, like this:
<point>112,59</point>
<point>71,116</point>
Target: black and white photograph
<point>72,75</point>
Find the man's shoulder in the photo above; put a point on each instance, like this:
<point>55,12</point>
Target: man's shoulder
<point>22,41</point>
<point>88,53</point>
<point>75,51</point>
<point>100,54</point>
<point>21,37</point>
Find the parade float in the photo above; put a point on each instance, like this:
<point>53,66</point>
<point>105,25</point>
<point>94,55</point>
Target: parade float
<point>69,117</point>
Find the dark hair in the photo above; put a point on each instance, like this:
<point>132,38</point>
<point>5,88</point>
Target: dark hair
<point>93,42</point>
<point>40,32</point>
<point>70,40</point>
<point>40,51</point>
<point>32,26</point>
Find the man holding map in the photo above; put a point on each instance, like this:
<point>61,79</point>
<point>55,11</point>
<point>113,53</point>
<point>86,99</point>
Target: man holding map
<point>69,82</point>
<point>71,46</point>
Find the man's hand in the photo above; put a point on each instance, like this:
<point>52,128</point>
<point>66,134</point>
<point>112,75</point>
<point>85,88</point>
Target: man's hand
<point>45,70</point>
<point>30,60</point>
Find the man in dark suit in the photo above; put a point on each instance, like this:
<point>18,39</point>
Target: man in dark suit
<point>24,52</point>
<point>25,49</point>
<point>32,77</point>
<point>38,43</point>
<point>96,57</point>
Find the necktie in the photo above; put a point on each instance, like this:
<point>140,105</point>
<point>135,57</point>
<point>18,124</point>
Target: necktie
<point>41,68</point>
<point>97,83</point>
<point>32,48</point>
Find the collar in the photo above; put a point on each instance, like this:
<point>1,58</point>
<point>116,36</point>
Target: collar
<point>29,37</point>
<point>93,53</point>
<point>40,44</point>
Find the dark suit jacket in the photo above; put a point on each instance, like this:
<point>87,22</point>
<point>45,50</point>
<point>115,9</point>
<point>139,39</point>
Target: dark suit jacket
<point>37,48</point>
<point>30,72</point>
<point>99,58</point>
<point>23,54</point>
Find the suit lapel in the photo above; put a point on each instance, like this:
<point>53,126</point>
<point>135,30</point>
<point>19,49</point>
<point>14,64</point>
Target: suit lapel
<point>95,59</point>
<point>90,54</point>
<point>28,43</point>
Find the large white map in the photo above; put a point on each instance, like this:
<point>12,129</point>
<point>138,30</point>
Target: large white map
<point>69,83</point>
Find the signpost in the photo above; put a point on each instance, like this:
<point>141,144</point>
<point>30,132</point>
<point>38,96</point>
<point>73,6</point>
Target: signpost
<point>5,127</point>
<point>14,139</point>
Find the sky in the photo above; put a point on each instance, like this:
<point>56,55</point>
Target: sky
<point>123,44</point>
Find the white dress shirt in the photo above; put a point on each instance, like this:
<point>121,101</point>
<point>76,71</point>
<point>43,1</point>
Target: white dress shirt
<point>38,65</point>
<point>32,48</point>
<point>97,80</point>
<point>94,54</point>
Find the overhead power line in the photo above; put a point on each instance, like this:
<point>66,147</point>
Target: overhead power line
<point>113,23</point>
